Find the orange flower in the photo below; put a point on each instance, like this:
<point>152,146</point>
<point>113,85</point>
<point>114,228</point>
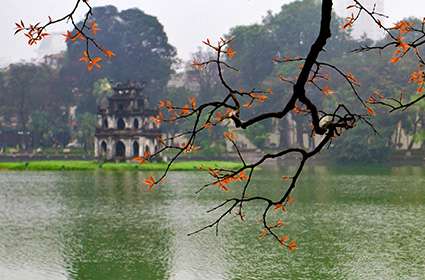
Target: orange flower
<point>191,149</point>
<point>94,28</point>
<point>109,53</point>
<point>85,57</point>
<point>162,104</point>
<point>94,63</point>
<point>208,125</point>
<point>158,119</point>
<point>292,246</point>
<point>353,79</point>
<point>259,97</point>
<point>283,239</point>
<point>230,53</point>
<point>327,90</point>
<point>403,26</point>
<point>242,176</point>
<point>219,116</point>
<point>280,206</point>
<point>192,101</point>
<point>279,223</point>
<point>285,178</point>
<point>71,37</point>
<point>68,36</point>
<point>150,182</point>
<point>395,59</point>
<point>263,233</point>
<point>139,160</point>
<point>146,155</point>
<point>91,63</point>
<point>185,110</point>
<point>290,200</point>
<point>230,136</point>
<point>371,112</point>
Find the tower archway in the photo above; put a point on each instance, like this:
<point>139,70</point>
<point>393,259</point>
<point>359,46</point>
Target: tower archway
<point>120,149</point>
<point>136,149</point>
<point>147,150</point>
<point>103,148</point>
<point>136,124</point>
<point>120,124</point>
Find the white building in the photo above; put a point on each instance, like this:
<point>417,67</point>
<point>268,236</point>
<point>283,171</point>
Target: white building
<point>124,128</point>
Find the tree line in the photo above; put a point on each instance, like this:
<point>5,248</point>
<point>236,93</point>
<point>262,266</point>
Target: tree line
<point>43,97</point>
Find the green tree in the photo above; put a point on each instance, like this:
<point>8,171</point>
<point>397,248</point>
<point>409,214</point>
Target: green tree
<point>86,130</point>
<point>41,128</point>
<point>26,89</point>
<point>142,53</point>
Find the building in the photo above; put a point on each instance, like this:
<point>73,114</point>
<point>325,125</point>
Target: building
<point>125,128</point>
<point>14,138</point>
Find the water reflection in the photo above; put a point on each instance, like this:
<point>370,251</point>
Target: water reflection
<point>350,224</point>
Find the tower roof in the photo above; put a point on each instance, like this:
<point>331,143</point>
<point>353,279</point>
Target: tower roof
<point>132,89</point>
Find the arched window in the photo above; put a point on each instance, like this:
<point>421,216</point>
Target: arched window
<point>120,124</point>
<point>135,149</point>
<point>120,149</point>
<point>103,148</point>
<point>136,124</point>
<point>105,123</point>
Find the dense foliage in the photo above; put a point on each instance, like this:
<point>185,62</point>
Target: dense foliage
<point>41,103</point>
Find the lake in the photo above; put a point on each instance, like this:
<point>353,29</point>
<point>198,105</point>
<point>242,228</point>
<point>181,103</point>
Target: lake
<point>349,223</point>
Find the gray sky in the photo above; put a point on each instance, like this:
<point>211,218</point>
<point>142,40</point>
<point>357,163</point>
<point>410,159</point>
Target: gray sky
<point>186,22</point>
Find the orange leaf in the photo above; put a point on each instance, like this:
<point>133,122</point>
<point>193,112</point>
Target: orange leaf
<point>259,97</point>
<point>283,239</point>
<point>192,101</point>
<point>292,246</point>
<point>280,206</point>
<point>85,57</point>
<point>158,119</point>
<point>185,110</point>
<point>327,90</point>
<point>139,160</point>
<point>290,200</point>
<point>208,125</point>
<point>263,233</point>
<point>94,28</point>
<point>371,112</point>
<point>353,79</point>
<point>395,59</point>
<point>230,136</point>
<point>92,63</point>
<point>109,53</point>
<point>230,53</point>
<point>279,223</point>
<point>150,182</point>
<point>146,155</point>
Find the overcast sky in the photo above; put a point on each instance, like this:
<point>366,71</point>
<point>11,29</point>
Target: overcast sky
<point>186,22</point>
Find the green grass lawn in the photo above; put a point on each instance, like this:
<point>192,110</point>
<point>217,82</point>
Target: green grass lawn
<point>55,165</point>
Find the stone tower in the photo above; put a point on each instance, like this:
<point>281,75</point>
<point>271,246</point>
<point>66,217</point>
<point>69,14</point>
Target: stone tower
<point>124,127</point>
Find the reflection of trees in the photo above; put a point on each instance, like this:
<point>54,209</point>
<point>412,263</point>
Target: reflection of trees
<point>198,256</point>
<point>116,230</point>
<point>310,224</point>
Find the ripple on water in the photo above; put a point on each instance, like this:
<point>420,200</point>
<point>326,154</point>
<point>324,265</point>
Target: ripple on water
<point>104,225</point>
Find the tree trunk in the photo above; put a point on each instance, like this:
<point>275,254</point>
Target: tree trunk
<point>284,133</point>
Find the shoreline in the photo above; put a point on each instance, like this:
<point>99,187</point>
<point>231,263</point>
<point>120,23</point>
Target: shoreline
<point>90,165</point>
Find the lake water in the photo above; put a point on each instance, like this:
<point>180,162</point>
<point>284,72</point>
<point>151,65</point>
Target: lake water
<point>349,223</point>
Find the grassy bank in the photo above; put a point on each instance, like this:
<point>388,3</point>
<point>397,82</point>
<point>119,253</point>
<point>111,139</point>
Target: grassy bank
<point>93,165</point>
